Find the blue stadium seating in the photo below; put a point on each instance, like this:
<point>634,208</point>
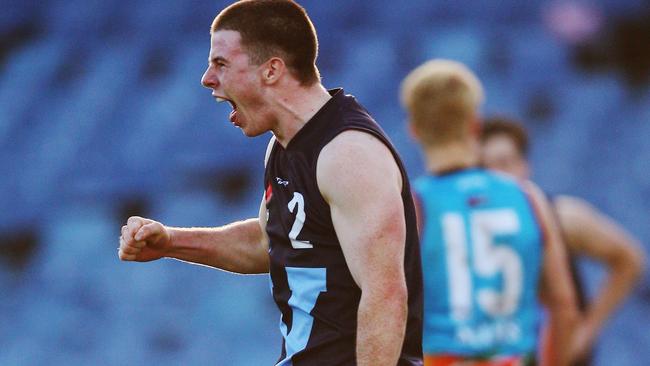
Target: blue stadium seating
<point>102,104</point>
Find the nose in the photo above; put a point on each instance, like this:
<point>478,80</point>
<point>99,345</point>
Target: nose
<point>209,79</point>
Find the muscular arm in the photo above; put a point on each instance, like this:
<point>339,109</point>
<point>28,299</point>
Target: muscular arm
<point>592,234</point>
<point>557,291</point>
<point>238,247</point>
<point>360,180</point>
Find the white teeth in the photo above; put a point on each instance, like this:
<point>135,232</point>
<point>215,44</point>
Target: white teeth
<point>219,100</point>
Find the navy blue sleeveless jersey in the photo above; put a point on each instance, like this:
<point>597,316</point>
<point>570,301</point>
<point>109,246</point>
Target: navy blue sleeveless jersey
<point>311,282</point>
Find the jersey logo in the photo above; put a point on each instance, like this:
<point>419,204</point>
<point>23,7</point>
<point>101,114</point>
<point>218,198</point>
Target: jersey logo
<point>476,201</point>
<point>268,194</point>
<point>281,181</point>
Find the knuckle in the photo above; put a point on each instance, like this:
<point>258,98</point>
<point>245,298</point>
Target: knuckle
<point>132,249</point>
<point>133,220</point>
<point>126,256</point>
<point>133,228</point>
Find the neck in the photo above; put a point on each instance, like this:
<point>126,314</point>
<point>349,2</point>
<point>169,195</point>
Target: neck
<point>294,107</point>
<point>451,156</point>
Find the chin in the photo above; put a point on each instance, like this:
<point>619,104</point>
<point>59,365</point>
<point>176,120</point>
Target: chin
<point>251,133</point>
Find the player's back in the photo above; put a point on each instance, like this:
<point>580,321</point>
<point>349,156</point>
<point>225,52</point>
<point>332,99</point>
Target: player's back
<point>481,256</point>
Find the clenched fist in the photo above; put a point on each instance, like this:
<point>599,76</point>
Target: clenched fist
<point>143,240</point>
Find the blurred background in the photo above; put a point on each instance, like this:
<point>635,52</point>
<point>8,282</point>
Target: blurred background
<point>102,116</point>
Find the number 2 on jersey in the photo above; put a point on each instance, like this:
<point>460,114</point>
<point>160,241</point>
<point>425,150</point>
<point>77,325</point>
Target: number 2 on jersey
<point>489,259</point>
<point>305,284</point>
<point>298,202</point>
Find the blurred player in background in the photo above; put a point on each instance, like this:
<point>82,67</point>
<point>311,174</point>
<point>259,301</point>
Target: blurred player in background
<point>336,227</point>
<point>487,240</point>
<point>586,232</point>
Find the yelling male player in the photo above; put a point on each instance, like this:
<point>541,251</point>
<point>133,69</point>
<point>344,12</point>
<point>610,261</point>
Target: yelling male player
<point>336,227</point>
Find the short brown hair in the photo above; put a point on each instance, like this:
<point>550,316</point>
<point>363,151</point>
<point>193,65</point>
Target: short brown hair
<point>441,97</point>
<point>505,126</point>
<point>279,28</point>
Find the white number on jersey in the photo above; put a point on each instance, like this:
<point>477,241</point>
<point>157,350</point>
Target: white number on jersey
<point>489,259</point>
<point>299,202</point>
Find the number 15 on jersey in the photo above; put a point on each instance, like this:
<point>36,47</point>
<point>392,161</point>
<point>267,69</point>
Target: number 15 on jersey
<point>489,258</point>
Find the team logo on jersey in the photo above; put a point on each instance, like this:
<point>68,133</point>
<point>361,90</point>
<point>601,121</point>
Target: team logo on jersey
<point>474,201</point>
<point>268,194</point>
<point>281,181</point>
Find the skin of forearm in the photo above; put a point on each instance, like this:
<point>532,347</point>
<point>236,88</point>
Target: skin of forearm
<point>235,247</point>
<point>562,324</point>
<point>380,329</point>
<point>620,281</point>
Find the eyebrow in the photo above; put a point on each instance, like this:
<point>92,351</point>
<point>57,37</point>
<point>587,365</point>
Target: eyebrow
<point>217,59</point>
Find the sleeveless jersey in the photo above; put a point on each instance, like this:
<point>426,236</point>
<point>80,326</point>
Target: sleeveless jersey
<point>311,282</point>
<point>481,251</point>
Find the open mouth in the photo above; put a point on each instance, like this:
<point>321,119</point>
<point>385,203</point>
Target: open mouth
<point>233,114</point>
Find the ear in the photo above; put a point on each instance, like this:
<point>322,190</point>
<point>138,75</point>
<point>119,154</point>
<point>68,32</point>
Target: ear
<point>273,70</point>
<point>413,133</point>
<point>475,127</point>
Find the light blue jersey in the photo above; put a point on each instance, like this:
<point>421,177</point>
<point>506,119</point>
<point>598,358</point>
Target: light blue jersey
<point>481,257</point>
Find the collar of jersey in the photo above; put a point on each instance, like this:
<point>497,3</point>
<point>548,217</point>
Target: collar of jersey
<point>454,170</point>
<point>337,94</point>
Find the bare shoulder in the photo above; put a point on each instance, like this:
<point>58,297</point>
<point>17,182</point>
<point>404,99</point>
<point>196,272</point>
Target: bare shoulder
<point>534,192</point>
<point>583,222</point>
<point>355,157</point>
<point>572,208</point>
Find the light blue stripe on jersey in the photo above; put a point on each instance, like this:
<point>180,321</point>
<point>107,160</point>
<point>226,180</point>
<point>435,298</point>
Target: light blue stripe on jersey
<point>481,259</point>
<point>305,284</point>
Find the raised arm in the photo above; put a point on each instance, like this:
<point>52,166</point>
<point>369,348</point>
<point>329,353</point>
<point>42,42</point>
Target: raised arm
<point>556,291</point>
<point>592,234</point>
<point>360,180</point>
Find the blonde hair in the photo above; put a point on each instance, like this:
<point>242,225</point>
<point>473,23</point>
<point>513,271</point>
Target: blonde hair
<point>441,97</point>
